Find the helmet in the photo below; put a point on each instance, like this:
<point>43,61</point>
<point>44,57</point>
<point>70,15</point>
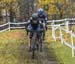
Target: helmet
<point>40,11</point>
<point>34,16</point>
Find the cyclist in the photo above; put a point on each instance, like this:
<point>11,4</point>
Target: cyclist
<point>43,19</point>
<point>34,25</point>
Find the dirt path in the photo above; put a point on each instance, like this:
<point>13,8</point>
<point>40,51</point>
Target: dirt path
<point>47,56</point>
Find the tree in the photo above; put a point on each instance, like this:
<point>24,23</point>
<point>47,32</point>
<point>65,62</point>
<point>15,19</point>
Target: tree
<point>26,7</point>
<point>61,8</point>
<point>9,7</point>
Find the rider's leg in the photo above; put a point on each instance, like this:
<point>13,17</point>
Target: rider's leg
<point>44,27</point>
<point>31,35</point>
<point>38,40</point>
<point>44,32</point>
<point>43,35</point>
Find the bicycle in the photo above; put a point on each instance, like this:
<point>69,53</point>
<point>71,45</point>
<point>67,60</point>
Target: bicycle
<point>34,44</point>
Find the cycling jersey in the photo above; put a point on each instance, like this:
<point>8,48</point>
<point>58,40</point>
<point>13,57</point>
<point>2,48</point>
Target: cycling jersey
<point>38,27</point>
<point>43,18</point>
<point>32,26</point>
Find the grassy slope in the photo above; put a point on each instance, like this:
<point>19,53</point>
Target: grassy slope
<point>9,46</point>
<point>62,52</point>
<point>13,49</point>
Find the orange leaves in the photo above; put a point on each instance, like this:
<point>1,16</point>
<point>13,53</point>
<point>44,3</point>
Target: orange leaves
<point>13,34</point>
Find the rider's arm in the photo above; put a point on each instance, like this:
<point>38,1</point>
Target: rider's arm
<point>29,27</point>
<point>28,22</point>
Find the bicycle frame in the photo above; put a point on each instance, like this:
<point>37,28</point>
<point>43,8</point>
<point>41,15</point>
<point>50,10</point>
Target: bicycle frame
<point>33,44</point>
<point>34,40</point>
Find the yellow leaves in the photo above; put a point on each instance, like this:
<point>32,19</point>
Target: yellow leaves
<point>52,9</point>
<point>8,1</point>
<point>43,2</point>
<point>13,35</point>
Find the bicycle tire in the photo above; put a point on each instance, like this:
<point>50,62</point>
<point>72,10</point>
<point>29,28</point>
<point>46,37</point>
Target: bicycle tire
<point>33,49</point>
<point>33,54</point>
<point>41,41</point>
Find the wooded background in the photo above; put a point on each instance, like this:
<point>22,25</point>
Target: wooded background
<point>21,10</point>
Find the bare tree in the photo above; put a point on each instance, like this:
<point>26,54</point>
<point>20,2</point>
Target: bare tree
<point>26,7</point>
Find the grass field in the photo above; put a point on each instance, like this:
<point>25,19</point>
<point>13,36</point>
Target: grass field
<point>14,50</point>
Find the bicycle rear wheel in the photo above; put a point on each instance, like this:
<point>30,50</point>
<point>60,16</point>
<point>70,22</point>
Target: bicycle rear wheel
<point>41,42</point>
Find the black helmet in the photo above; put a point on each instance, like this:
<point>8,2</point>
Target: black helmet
<point>34,16</point>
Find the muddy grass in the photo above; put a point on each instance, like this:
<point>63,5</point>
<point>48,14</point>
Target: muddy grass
<point>14,50</point>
